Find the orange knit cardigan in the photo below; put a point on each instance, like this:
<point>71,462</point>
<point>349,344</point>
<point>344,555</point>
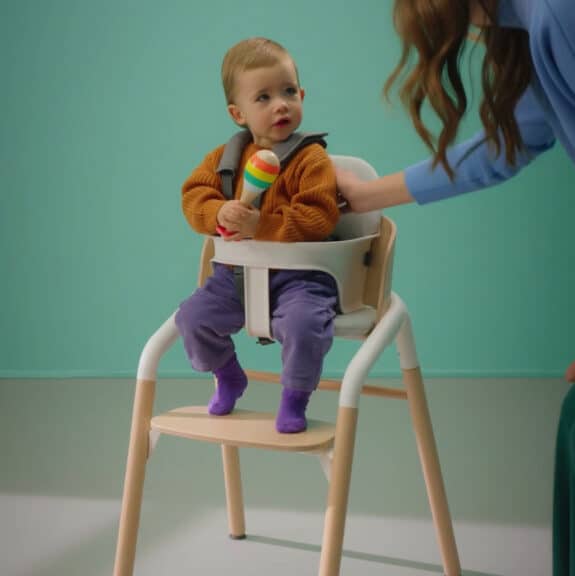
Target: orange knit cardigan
<point>300,206</point>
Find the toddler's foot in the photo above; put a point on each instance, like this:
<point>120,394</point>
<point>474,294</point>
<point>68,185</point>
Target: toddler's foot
<point>232,381</point>
<point>291,414</point>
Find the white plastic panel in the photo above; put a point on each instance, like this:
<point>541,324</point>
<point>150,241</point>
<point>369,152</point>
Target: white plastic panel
<point>343,259</point>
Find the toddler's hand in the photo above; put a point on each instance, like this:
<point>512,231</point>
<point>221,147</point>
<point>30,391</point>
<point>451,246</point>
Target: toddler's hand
<point>238,220</point>
<point>247,227</point>
<point>231,215</point>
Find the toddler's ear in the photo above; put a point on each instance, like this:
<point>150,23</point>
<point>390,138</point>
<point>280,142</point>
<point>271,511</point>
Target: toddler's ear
<point>570,374</point>
<point>302,94</point>
<point>236,115</point>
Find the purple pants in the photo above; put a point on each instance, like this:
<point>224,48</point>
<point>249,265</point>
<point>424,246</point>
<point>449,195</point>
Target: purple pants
<point>303,306</point>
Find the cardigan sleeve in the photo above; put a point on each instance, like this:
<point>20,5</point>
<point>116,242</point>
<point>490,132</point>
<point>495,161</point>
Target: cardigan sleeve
<point>202,195</point>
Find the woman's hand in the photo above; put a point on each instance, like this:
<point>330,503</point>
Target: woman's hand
<point>367,195</point>
<point>352,189</point>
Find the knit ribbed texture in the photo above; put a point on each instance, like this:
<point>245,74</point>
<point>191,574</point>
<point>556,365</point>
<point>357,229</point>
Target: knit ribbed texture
<point>300,206</point>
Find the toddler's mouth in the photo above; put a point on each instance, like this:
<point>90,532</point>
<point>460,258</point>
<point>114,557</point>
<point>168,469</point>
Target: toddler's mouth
<point>282,122</point>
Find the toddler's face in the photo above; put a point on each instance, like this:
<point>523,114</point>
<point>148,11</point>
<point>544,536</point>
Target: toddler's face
<point>268,101</point>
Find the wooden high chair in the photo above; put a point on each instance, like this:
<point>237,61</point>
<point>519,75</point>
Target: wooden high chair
<point>361,262</point>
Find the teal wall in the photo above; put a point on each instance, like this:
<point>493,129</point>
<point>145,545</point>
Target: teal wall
<point>107,106</point>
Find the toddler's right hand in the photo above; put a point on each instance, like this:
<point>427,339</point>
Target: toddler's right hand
<point>232,214</point>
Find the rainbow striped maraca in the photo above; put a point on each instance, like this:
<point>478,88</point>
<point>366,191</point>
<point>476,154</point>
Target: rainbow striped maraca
<point>259,174</point>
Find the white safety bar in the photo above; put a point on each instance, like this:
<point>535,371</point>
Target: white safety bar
<point>394,322</point>
<point>156,347</point>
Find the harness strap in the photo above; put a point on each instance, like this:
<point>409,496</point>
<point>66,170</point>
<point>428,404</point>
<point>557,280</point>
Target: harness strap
<point>230,160</point>
<point>285,150</point>
<point>239,282</point>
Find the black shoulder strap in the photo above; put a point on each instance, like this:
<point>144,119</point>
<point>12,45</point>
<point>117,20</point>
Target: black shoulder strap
<point>284,150</point>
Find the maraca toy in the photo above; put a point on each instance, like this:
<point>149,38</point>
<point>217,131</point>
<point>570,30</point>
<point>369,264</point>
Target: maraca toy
<point>259,174</point>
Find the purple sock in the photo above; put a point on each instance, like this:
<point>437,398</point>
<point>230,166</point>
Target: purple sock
<point>232,382</point>
<point>291,414</point>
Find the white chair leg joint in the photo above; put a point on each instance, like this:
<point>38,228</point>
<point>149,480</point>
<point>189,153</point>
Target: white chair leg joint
<point>380,337</point>
<point>406,345</point>
<point>325,459</point>
<point>153,437</point>
<point>155,348</point>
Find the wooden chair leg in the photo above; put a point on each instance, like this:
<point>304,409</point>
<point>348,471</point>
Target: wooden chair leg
<point>134,478</point>
<point>335,515</point>
<point>234,497</point>
<point>431,470</point>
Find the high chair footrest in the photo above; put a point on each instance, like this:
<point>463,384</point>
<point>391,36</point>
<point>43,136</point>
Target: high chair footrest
<point>243,428</point>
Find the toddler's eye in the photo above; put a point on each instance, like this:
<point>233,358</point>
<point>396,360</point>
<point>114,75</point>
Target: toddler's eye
<point>262,98</point>
<point>291,91</point>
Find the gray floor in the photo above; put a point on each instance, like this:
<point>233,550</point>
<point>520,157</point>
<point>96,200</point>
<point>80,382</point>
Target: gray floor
<point>62,455</point>
<point>42,536</point>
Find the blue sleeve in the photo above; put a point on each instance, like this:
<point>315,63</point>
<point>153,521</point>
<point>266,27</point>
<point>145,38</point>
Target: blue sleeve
<point>552,44</point>
<point>475,163</point>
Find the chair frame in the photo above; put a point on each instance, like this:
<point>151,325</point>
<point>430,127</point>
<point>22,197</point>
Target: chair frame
<point>392,324</point>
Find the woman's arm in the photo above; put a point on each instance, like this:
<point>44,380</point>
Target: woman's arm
<point>475,163</point>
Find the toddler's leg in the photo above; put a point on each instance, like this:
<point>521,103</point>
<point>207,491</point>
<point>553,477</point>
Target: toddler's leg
<point>304,306</point>
<point>205,321</point>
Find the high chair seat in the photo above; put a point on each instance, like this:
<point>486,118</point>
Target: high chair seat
<point>356,324</point>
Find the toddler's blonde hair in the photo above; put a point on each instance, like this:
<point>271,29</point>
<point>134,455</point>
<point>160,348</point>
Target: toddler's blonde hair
<point>249,54</point>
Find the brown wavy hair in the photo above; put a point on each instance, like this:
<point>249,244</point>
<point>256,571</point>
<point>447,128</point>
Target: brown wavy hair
<point>438,30</point>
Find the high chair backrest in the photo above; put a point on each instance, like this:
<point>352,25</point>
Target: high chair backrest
<point>377,287</point>
<point>352,225</point>
<point>360,261</point>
